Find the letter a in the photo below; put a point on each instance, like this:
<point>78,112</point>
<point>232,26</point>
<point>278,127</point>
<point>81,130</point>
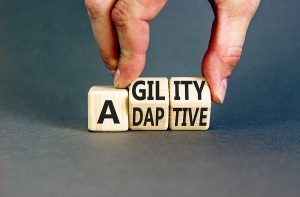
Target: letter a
<point>113,115</point>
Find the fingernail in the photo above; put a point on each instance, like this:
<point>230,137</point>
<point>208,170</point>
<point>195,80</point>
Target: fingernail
<point>116,78</point>
<point>222,89</point>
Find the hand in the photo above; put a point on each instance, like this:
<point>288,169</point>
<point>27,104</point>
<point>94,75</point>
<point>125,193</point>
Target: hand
<point>121,31</point>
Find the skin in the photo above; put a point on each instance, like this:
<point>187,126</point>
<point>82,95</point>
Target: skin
<point>121,31</point>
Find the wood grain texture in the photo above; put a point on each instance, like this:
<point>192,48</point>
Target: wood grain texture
<point>107,100</point>
<point>190,103</point>
<point>149,104</point>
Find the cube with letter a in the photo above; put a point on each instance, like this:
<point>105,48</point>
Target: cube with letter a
<point>190,103</point>
<point>149,104</point>
<point>107,109</point>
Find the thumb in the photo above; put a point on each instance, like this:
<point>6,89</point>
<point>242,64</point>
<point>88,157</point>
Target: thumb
<point>131,22</point>
<point>225,45</point>
<point>133,35</point>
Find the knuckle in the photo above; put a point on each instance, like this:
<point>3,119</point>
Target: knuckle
<point>96,9</point>
<point>120,13</point>
<point>232,56</point>
<point>231,61</point>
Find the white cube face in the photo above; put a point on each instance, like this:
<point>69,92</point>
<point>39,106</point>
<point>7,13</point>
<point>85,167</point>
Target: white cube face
<point>190,103</point>
<point>107,109</point>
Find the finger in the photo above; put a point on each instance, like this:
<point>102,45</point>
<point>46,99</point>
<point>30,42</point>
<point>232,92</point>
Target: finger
<point>104,30</point>
<point>130,19</point>
<point>225,48</point>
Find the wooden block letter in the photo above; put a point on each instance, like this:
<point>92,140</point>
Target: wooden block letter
<point>149,104</point>
<point>107,109</point>
<point>190,103</point>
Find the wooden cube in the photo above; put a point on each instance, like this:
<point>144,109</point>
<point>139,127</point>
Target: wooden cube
<point>190,103</point>
<point>107,109</point>
<point>149,104</point>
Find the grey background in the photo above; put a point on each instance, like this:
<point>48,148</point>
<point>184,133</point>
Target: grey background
<point>48,61</point>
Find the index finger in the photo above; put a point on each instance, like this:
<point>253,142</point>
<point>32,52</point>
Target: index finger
<point>104,30</point>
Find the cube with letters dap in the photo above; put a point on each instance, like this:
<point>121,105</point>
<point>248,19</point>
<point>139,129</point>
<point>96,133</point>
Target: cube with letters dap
<point>190,103</point>
<point>107,109</point>
<point>149,104</point>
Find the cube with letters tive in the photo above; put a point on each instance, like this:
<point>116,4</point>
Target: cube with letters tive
<point>107,109</point>
<point>149,104</point>
<point>190,103</point>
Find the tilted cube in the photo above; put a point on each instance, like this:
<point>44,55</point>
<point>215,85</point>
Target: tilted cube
<point>190,103</point>
<point>149,104</point>
<point>107,109</point>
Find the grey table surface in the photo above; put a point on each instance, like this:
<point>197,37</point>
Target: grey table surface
<point>48,61</point>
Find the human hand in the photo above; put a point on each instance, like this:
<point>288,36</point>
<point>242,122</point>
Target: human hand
<point>232,18</point>
<point>121,31</point>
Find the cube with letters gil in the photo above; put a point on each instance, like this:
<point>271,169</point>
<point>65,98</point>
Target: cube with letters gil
<point>149,104</point>
<point>190,103</point>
